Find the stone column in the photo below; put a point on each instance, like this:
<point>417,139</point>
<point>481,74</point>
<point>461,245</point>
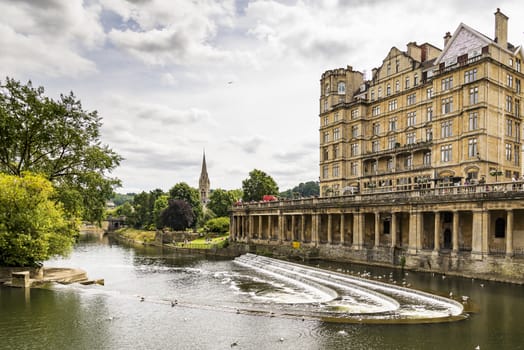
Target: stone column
<point>250,230</point>
<point>329,228</point>
<point>316,229</point>
<point>436,233</point>
<point>260,227</point>
<point>377,229</point>
<point>413,232</point>
<point>485,232</point>
<point>455,233</point>
<point>393,230</point>
<point>358,234</point>
<point>477,232</point>
<point>292,227</point>
<point>281,226</point>
<point>509,232</point>
<point>302,227</point>
<point>269,228</point>
<point>342,228</point>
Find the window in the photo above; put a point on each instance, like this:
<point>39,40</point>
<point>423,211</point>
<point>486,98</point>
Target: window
<point>388,90</point>
<point>335,117</point>
<point>473,95</point>
<point>354,114</point>
<point>375,110</point>
<point>376,128</point>
<point>389,164</point>
<point>518,64</point>
<point>354,149</point>
<point>389,68</point>
<point>429,114</point>
<point>508,151</point>
<point>336,134</point>
<point>397,65</point>
<point>415,79</point>
<point>446,129</point>
<point>354,168</point>
<point>372,95</point>
<point>410,138</point>
<point>447,105</point>
<point>411,99</point>
<point>429,93</point>
<point>354,131</point>
<point>374,146</point>
<point>379,92</point>
<point>326,90</point>
<point>516,150</point>
<point>470,75</point>
<point>409,161</point>
<point>517,85</point>
<point>407,83</point>
<point>393,124</point>
<point>335,151</point>
<point>426,160</point>
<point>325,105</point>
<point>517,108</point>
<point>429,134</point>
<point>509,104</point>
<point>392,105</point>
<point>335,170</point>
<point>412,118</point>
<point>447,83</point>
<point>473,122</point>
<point>325,172</point>
<point>517,131</point>
<point>326,137</point>
<point>509,127</point>
<point>374,167</point>
<point>509,80</point>
<point>326,154</point>
<point>392,141</point>
<point>326,120</point>
<point>397,86</point>
<point>445,153</point>
<point>341,87</point>
<point>472,148</point>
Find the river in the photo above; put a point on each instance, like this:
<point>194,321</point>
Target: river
<point>156,299</point>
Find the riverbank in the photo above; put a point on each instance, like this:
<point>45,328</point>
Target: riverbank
<point>42,275</point>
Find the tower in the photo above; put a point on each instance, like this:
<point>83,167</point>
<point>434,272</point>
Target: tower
<point>203,182</point>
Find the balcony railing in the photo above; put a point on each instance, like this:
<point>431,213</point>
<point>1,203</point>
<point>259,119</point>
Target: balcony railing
<point>408,192</point>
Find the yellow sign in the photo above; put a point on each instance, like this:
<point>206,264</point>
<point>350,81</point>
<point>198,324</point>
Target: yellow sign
<point>296,245</point>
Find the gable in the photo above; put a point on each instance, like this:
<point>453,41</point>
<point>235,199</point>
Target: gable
<point>464,41</point>
<point>391,59</point>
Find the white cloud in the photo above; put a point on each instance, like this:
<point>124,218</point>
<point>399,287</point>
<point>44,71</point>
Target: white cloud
<point>48,37</point>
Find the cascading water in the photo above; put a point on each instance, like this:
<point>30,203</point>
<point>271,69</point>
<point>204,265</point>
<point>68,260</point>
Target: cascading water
<point>343,298</point>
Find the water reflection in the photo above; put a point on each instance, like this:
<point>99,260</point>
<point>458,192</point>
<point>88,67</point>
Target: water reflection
<point>112,316</point>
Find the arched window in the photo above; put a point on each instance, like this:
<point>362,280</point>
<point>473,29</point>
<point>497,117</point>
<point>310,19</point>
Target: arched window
<point>341,87</point>
<point>326,90</point>
<point>397,86</point>
<point>388,90</point>
<point>500,228</point>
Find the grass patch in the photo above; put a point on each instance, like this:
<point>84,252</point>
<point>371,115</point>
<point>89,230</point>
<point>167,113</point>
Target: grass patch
<point>137,235</point>
<point>203,243</point>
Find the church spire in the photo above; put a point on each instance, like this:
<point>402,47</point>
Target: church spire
<point>203,182</point>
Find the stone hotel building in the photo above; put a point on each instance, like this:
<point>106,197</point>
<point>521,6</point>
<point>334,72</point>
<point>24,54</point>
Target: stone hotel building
<point>428,117</point>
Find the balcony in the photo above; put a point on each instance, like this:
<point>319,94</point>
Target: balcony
<point>400,149</point>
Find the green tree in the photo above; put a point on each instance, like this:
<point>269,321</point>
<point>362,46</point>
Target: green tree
<point>220,201</point>
<point>191,195</point>
<point>178,215</point>
<point>33,226</point>
<point>257,185</point>
<point>308,189</point>
<point>60,140</point>
<point>144,205</point>
<point>217,225</point>
<point>160,204</point>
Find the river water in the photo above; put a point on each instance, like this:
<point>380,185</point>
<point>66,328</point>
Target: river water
<point>190,302</point>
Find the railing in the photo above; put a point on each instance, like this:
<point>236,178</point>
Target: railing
<point>408,191</point>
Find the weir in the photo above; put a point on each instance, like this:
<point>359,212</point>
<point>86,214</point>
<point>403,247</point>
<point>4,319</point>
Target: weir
<point>344,298</point>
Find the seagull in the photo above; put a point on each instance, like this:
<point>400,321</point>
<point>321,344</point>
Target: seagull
<point>451,294</point>
<point>482,285</point>
<point>281,339</point>
<point>234,344</point>
<point>142,298</point>
<point>477,347</point>
<point>229,82</point>
<point>173,304</point>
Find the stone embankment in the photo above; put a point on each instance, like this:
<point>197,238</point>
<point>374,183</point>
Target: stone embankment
<point>33,277</point>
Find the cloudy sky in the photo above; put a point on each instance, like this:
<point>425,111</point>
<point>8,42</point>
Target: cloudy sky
<point>239,79</point>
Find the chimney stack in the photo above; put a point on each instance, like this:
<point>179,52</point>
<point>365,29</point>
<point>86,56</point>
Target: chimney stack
<point>446,38</point>
<point>501,29</point>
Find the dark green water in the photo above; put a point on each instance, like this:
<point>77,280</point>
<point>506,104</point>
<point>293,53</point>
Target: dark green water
<point>208,292</point>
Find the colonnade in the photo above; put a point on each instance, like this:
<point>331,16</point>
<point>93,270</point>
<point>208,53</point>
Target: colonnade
<point>481,231</point>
